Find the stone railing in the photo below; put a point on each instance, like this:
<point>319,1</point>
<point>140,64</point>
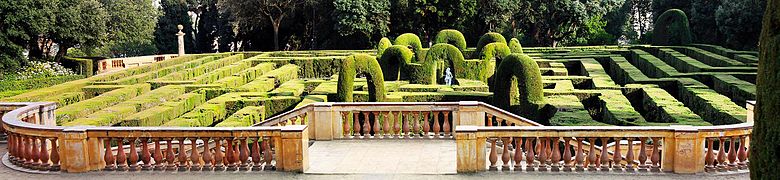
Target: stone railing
<point>393,119</point>
<point>678,149</point>
<point>35,143</point>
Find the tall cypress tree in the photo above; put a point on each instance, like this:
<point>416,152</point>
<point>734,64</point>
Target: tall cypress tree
<point>174,13</point>
<point>765,142</point>
<point>208,25</point>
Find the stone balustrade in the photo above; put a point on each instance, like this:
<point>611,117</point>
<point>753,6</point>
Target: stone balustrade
<point>679,149</point>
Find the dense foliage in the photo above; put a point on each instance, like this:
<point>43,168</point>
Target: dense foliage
<point>765,140</point>
<point>174,14</point>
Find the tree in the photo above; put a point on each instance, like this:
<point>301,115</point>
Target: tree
<point>78,23</point>
<point>702,19</point>
<point>739,21</point>
<point>174,14</point>
<point>660,6</point>
<point>21,22</point>
<point>366,20</point>
<point>208,26</point>
<point>548,22</point>
<point>130,29</point>
<point>765,141</point>
<point>497,14</point>
<point>271,11</point>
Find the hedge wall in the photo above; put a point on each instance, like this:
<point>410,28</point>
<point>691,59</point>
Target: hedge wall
<point>29,84</point>
<point>361,64</point>
<point>89,106</point>
<point>83,66</point>
<point>486,39</point>
<point>451,36</point>
<point>518,88</point>
<point>671,28</point>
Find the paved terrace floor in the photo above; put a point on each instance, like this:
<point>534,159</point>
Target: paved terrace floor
<point>387,159</point>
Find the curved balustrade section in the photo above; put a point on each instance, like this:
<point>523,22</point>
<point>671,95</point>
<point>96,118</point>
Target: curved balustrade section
<point>36,145</point>
<point>679,149</point>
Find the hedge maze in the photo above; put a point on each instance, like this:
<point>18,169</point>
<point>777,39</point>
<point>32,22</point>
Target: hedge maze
<point>695,84</point>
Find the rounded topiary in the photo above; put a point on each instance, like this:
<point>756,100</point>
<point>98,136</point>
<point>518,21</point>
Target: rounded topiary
<point>518,88</point>
<point>486,39</point>
<point>360,64</point>
<point>451,36</point>
<point>393,59</point>
<point>671,28</point>
<point>383,44</point>
<point>441,56</point>
<point>491,52</point>
<point>515,46</point>
<point>410,40</point>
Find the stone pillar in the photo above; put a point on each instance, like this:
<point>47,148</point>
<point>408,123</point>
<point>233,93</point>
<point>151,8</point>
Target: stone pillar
<point>294,151</point>
<point>750,105</point>
<point>79,153</point>
<point>181,40</point>
<point>326,124</point>
<point>684,152</point>
<point>469,114</point>
<point>466,150</point>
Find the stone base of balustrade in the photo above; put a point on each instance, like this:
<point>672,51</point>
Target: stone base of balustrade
<point>7,163</point>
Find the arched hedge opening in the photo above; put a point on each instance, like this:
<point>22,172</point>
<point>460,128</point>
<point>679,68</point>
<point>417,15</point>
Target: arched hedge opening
<point>519,89</point>
<point>486,39</point>
<point>443,56</point>
<point>451,36</point>
<point>383,44</point>
<point>671,29</point>
<point>515,46</point>
<point>412,41</point>
<point>393,59</point>
<point>362,64</point>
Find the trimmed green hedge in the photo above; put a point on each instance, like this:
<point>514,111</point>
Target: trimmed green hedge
<point>383,44</point>
<point>486,39</point>
<point>442,56</point>
<point>412,41</point>
<point>393,59</point>
<point>671,28</point>
<point>451,36</point>
<point>518,83</point>
<point>247,116</point>
<point>29,84</point>
<point>361,64</point>
<point>108,99</point>
<point>163,113</point>
<point>83,66</point>
<point>491,52</point>
<point>515,46</point>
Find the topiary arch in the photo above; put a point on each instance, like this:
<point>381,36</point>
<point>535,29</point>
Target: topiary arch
<point>518,88</point>
<point>486,39</point>
<point>491,52</point>
<point>515,46</point>
<point>383,44</point>
<point>412,41</point>
<point>441,56</point>
<point>360,64</point>
<point>451,36</point>
<point>671,28</point>
<point>393,59</point>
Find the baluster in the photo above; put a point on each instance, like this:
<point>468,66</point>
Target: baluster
<point>386,127</point>
<point>604,156</point>
<point>219,163</point>
<point>356,124</point>
<point>134,156</point>
<point>656,156</point>
<point>446,125</point>
<point>529,155</point>
<point>505,154</point>
<point>376,124</point>
<point>709,158</point>
<point>543,165</point>
<point>732,154</point>
<point>195,155</point>
<point>493,154</point>
<point>158,156</point>
<point>293,120</point>
<point>11,147</point>
<point>44,156</point>
<point>24,150</point>
<point>592,160</point>
<point>426,125</point>
<point>169,156</point>
<point>345,123</point>
<point>244,155</point>
<point>146,157</point>
<point>518,152</point>
<point>405,121</point>
<point>207,159</point>
<point>34,153</point>
<point>267,156</point>
<point>257,164</point>
<point>231,163</point>
<point>237,154</point>
<point>55,155</point>
<point>722,154</point>
<point>617,156</point>
<point>642,154</point>
<point>182,156</point>
<point>397,124</point>
<point>556,154</point>
<point>742,154</point>
<point>436,128</point>
<point>109,156</point>
<point>366,127</point>
<point>121,157</point>
<point>416,127</point>
<point>566,154</point>
<point>489,119</point>
<point>630,155</point>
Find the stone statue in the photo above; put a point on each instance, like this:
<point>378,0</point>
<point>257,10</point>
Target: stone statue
<point>448,77</point>
<point>181,39</point>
